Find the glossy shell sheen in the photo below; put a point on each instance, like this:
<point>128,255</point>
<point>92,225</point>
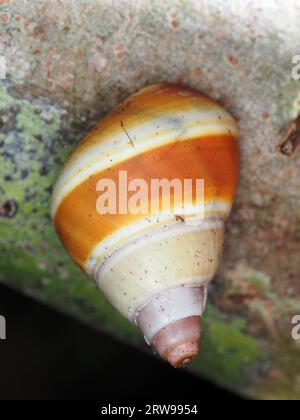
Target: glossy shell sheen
<point>163,131</point>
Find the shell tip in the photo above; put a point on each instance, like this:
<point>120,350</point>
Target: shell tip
<point>178,342</point>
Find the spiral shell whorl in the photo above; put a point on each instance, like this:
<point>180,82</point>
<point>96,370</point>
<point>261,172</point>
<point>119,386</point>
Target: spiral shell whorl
<point>175,132</point>
<point>163,132</point>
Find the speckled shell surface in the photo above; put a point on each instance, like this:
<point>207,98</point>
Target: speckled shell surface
<point>163,131</point>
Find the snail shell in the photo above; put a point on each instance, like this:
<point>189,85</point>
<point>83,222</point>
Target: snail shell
<point>154,268</point>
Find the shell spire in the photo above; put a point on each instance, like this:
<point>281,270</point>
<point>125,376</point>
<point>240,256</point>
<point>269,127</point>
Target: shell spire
<point>141,204</point>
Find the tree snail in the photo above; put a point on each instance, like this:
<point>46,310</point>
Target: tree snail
<point>141,204</point>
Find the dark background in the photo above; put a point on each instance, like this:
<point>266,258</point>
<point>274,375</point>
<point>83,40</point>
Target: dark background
<point>50,356</point>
